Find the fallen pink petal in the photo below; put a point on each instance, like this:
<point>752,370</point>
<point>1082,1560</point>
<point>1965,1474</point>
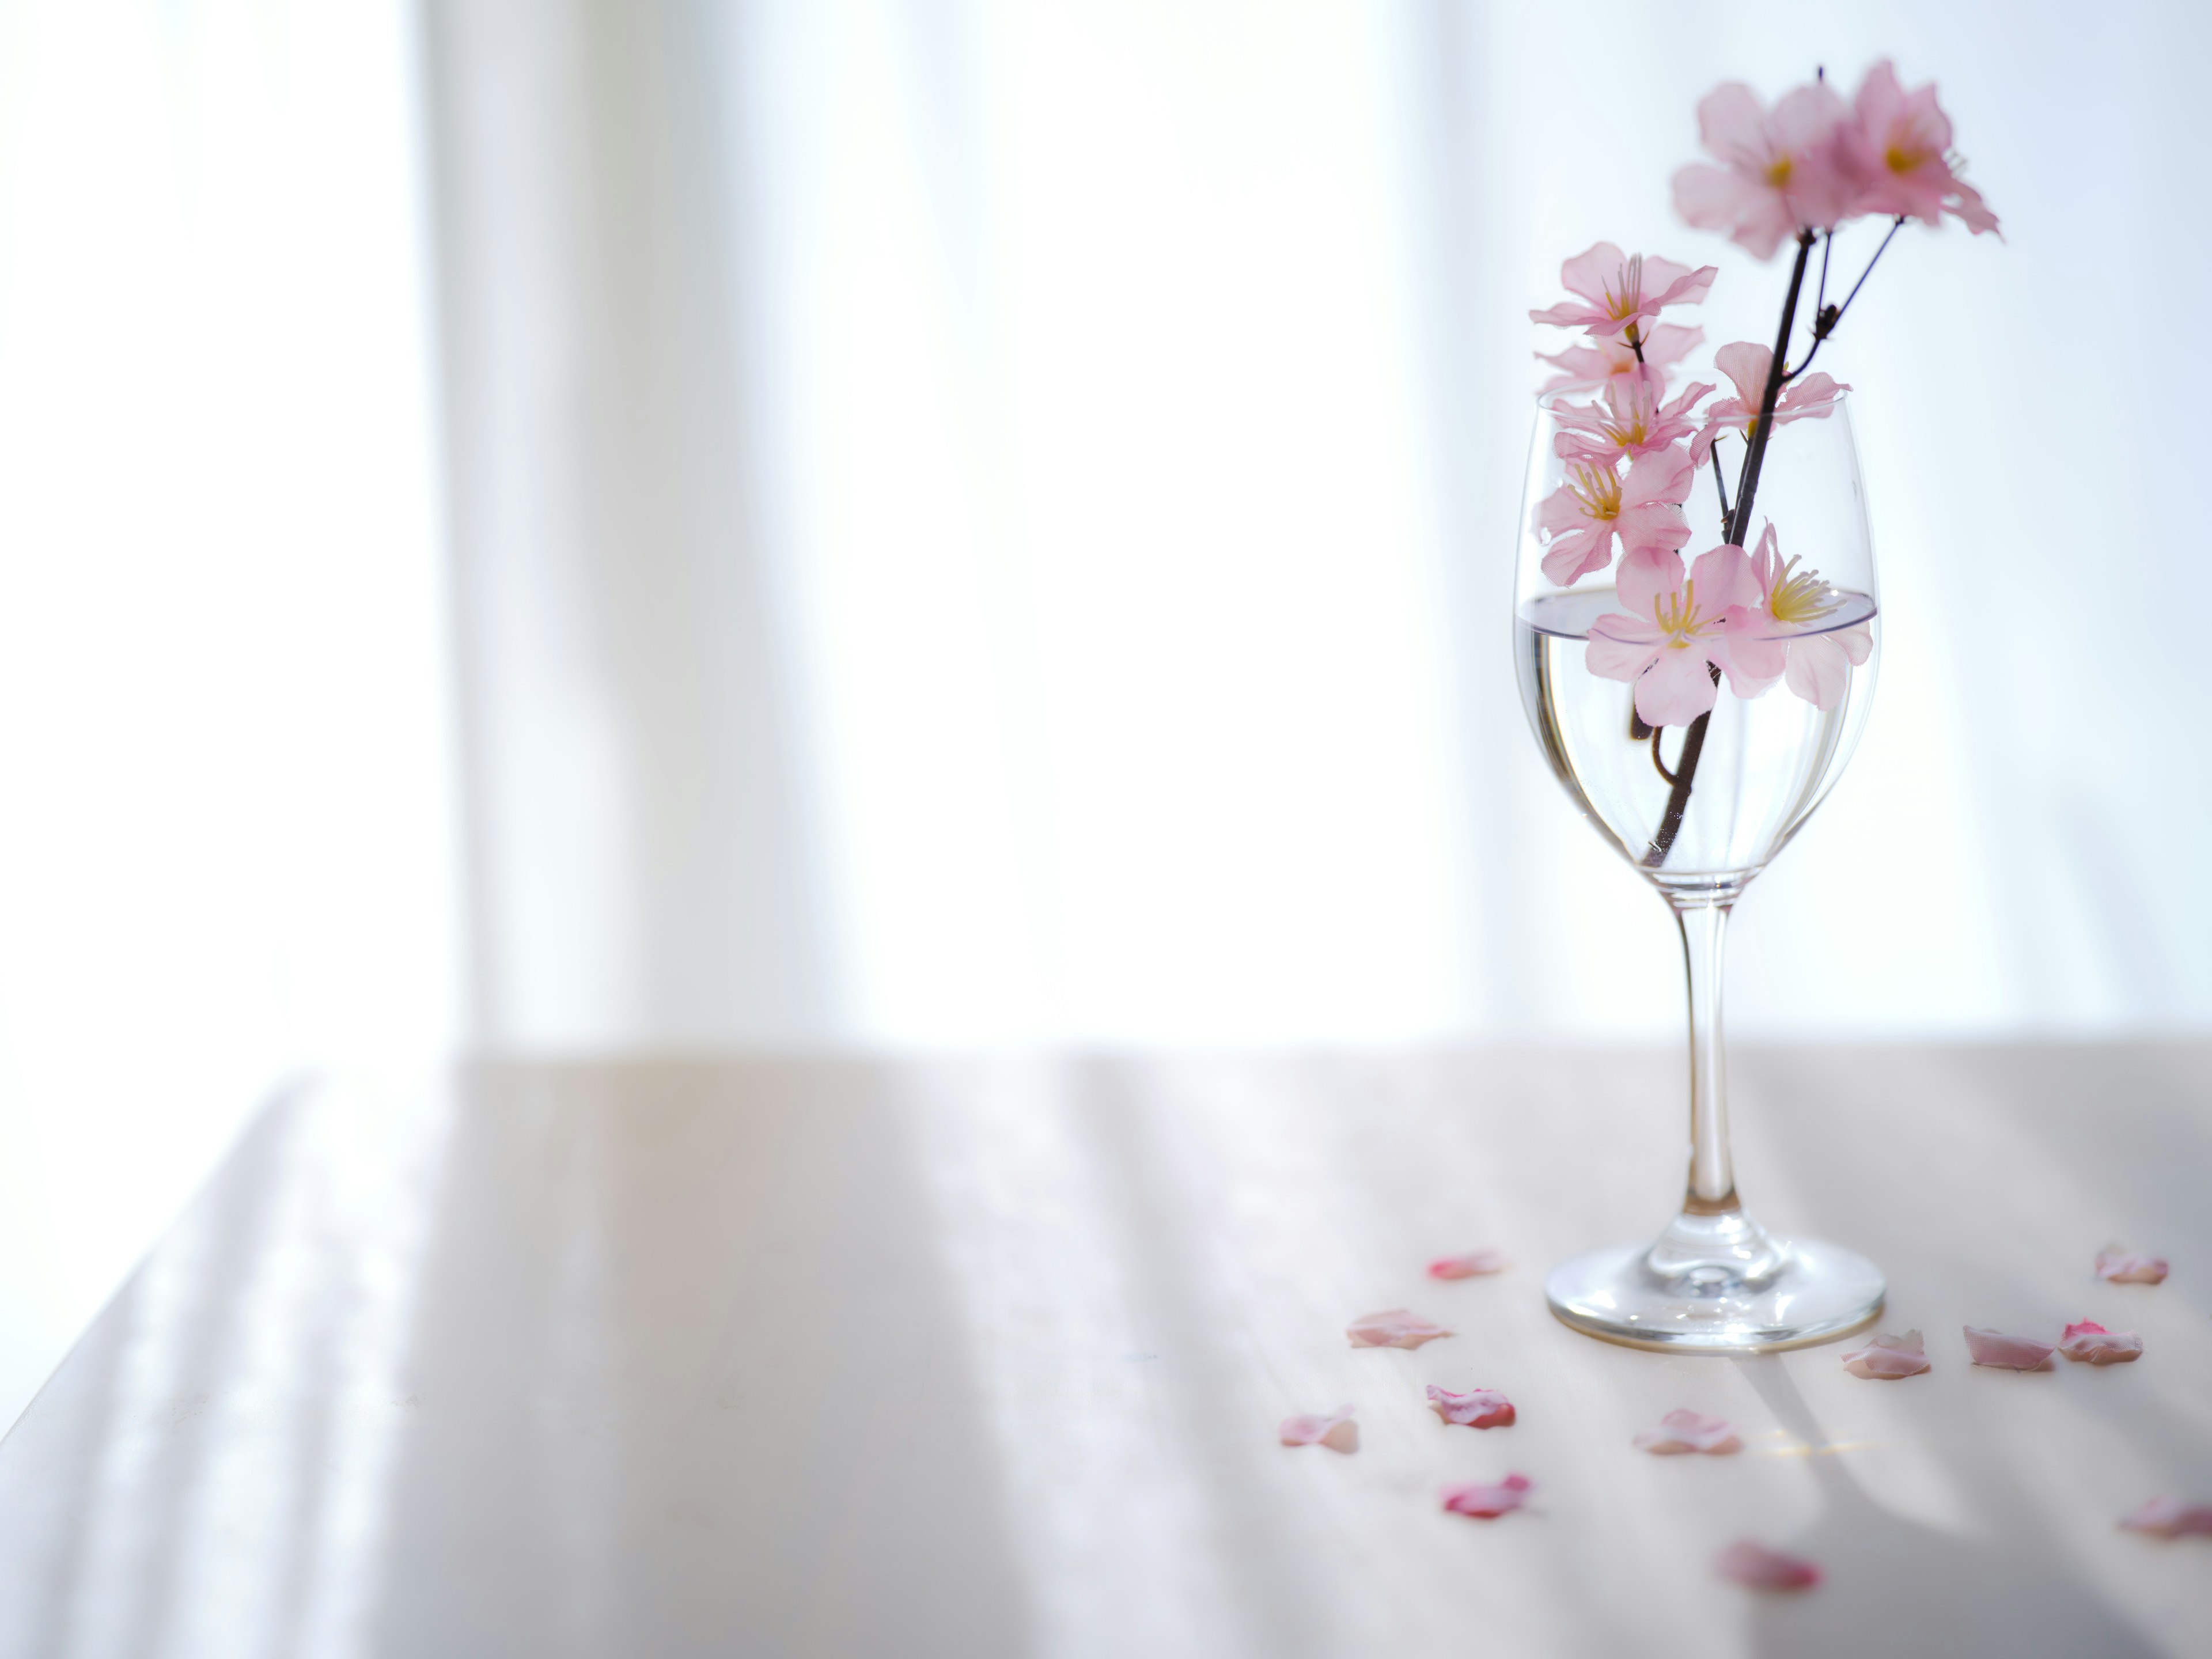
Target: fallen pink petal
<point>1395,1328</point>
<point>1886,1359</point>
<point>1337,1430</point>
<point>1483,1408</point>
<point>2124,1268</point>
<point>2009,1354</point>
<point>1756,1567</point>
<point>1686,1431</point>
<point>1472,1265</point>
<point>1488,1502</point>
<point>2171,1517</point>
<point>2094,1344</point>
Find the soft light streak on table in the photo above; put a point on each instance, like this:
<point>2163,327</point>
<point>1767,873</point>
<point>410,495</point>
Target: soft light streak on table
<point>985,1357</point>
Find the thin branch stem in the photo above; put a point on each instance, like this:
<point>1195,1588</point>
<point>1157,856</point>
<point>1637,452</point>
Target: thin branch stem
<point>1719,488</point>
<point>1693,739</point>
<point>1825,317</point>
<point>1660,765</point>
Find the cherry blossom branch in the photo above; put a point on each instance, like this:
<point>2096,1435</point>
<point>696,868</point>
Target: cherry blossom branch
<point>1657,763</point>
<point>1825,317</point>
<point>1693,740</point>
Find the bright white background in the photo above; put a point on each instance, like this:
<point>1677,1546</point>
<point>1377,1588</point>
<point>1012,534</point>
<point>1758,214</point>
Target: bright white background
<point>591,525</point>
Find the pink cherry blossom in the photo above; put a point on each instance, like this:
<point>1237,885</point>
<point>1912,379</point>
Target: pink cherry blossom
<point>1580,518</point>
<point>1336,1431</point>
<point>1746,363</point>
<point>2092,1343</point>
<point>1627,420</point>
<point>1473,1264</point>
<point>2122,1267</point>
<point>1681,1431</point>
<point>1483,1408</point>
<point>1620,293</point>
<point>1897,154</point>
<point>1673,631</point>
<point>1886,1359</point>
<point>1793,643</point>
<point>1780,170</point>
<point>2170,1517</point>
<point>1395,1328</point>
<point>1756,1567</point>
<point>2008,1353</point>
<point>1487,1502</point>
<point>1587,367</point>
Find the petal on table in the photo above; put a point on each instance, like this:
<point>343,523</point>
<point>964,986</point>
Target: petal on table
<point>2171,1517</point>
<point>1393,1328</point>
<point>2092,1343</point>
<point>1336,1431</point>
<point>1472,1265</point>
<point>1483,1408</point>
<point>2125,1267</point>
<point>1487,1502</point>
<point>2009,1354</point>
<point>1756,1567</point>
<point>1886,1359</point>
<point>1686,1431</point>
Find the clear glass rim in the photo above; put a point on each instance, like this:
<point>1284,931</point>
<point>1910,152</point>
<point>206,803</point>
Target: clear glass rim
<point>1549,402</point>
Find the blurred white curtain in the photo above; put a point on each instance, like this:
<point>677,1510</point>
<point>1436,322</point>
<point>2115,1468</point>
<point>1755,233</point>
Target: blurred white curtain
<point>990,521</point>
<point>225,851</point>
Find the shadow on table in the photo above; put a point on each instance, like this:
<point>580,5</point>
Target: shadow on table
<point>1901,1589</point>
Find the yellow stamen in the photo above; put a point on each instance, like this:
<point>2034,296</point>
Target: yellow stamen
<point>1800,600</point>
<point>1778,171</point>
<point>1630,297</point>
<point>1598,488</point>
<point>1678,616</point>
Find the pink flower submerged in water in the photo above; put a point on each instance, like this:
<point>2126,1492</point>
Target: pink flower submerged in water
<point>1780,169</point>
<point>1588,367</point>
<point>1792,641</point>
<point>1337,1430</point>
<point>1674,630</point>
<point>2094,1344</point>
<point>2123,1267</point>
<point>2171,1517</point>
<point>1395,1328</point>
<point>1619,293</point>
<point>1627,420</point>
<point>1682,1431</point>
<point>1756,1567</point>
<point>1896,152</point>
<point>2009,1354</point>
<point>1580,518</point>
<point>1488,1502</point>
<point>1746,364</point>
<point>1472,1265</point>
<point>1483,1408</point>
<point>1887,1358</point>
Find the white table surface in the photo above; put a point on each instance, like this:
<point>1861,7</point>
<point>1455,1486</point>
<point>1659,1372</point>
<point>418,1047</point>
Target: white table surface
<point>980,1358</point>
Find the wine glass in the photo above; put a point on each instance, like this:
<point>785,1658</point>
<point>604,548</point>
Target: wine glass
<point>1698,809</point>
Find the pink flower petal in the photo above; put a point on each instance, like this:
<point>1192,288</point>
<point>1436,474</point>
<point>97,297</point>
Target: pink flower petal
<point>2009,1354</point>
<point>1472,1265</point>
<point>2170,1517</point>
<point>1337,1430</point>
<point>1886,1359</point>
<point>1756,1567</point>
<point>1395,1328</point>
<point>1485,1408</point>
<point>2092,1343</point>
<point>2122,1267</point>
<point>1687,1430</point>
<point>1488,1502</point>
<point>1676,689</point>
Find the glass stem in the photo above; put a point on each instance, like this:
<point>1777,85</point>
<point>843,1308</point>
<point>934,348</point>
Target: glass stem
<point>1712,1176</point>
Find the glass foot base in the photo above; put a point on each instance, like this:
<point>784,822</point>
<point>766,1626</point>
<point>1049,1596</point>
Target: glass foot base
<point>1814,1292</point>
